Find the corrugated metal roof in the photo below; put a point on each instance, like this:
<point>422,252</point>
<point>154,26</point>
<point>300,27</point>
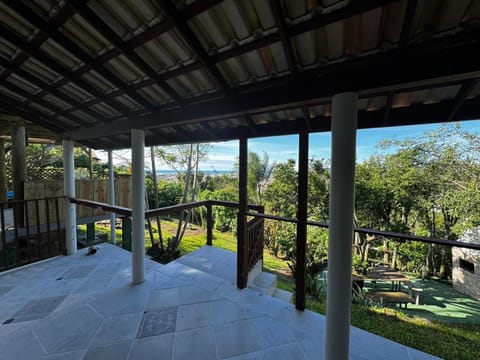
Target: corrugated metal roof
<point>207,61</point>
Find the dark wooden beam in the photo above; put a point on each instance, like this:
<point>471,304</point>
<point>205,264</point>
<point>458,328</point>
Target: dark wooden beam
<point>43,25</point>
<point>98,24</point>
<point>250,125</point>
<point>461,97</point>
<point>302,206</point>
<point>194,43</point>
<point>307,117</point>
<point>407,22</point>
<point>242,239</point>
<point>388,106</point>
<point>365,74</point>
<point>282,31</point>
<point>60,18</point>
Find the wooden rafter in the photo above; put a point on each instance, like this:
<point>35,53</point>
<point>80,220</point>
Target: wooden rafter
<point>461,97</point>
<point>283,33</point>
<point>194,43</point>
<point>104,29</point>
<point>27,13</point>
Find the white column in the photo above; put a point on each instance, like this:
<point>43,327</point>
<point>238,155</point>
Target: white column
<point>342,195</point>
<point>138,206</point>
<point>70,212</point>
<point>111,196</point>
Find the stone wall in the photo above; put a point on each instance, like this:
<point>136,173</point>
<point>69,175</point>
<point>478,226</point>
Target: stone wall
<point>464,281</point>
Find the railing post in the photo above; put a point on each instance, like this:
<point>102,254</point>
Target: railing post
<point>127,233</point>
<point>302,205</point>
<point>209,224</point>
<point>242,240</point>
<point>90,233</point>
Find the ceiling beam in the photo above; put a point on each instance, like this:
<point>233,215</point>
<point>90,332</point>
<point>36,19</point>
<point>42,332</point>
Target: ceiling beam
<point>52,90</point>
<point>194,43</point>
<point>26,12</point>
<point>38,100</point>
<point>98,24</point>
<point>282,31</point>
<point>388,107</point>
<point>407,22</point>
<point>461,97</point>
<point>361,75</point>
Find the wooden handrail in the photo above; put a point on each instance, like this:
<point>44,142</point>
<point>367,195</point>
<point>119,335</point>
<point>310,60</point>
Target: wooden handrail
<point>120,210</point>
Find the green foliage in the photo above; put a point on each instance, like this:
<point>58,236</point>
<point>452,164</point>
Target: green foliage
<point>164,254</point>
<point>169,193</point>
<point>225,218</point>
<point>359,265</point>
<point>281,193</point>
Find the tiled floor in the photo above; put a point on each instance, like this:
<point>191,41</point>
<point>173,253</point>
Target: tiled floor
<point>84,307</point>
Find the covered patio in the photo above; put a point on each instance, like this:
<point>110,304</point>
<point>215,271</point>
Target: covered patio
<point>85,307</point>
<point>121,74</point>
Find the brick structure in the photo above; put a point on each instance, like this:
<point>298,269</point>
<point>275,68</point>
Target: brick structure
<point>466,266</point>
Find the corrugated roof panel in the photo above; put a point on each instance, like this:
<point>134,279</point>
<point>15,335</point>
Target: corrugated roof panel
<point>22,83</point>
<point>57,102</point>
<point>264,118</point>
<point>255,64</point>
<point>335,40</point>
<point>76,92</point>
<point>393,21</point>
<point>98,81</point>
<point>85,36</point>
<point>327,110</point>
<point>238,18</point>
<point>104,109</point>
<point>47,7</point>
<point>473,14</point>
<point>196,83</point>
<point>438,16</point>
<point>67,121</point>
<point>295,8</point>
<point>264,13</point>
<point>41,108</point>
<point>362,104</point>
<point>57,52</point>
<point>7,49</point>
<point>11,94</point>
<point>440,94</point>
<point>402,100</point>
<point>376,103</point>
<point>84,116</point>
<point>16,23</point>
<point>316,110</point>
<point>167,130</point>
<point>178,86</point>
<point>212,29</point>
<point>127,17</point>
<point>176,46</point>
<point>129,102</point>
<point>304,48</point>
<point>279,58</point>
<point>124,69</point>
<point>34,67</point>
<point>154,94</point>
<point>234,71</point>
<point>155,54</point>
<point>371,24</point>
<point>475,92</point>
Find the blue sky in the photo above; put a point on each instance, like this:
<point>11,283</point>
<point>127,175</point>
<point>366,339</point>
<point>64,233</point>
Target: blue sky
<point>223,154</point>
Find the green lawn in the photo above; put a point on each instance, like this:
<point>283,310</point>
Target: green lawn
<point>446,325</point>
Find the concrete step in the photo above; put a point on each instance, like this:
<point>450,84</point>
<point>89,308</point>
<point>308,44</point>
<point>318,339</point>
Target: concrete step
<point>265,283</point>
<point>284,295</point>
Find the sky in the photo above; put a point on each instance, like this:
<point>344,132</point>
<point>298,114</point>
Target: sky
<point>222,155</point>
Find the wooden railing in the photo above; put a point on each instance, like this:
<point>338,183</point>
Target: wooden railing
<point>255,237</point>
<point>30,230</point>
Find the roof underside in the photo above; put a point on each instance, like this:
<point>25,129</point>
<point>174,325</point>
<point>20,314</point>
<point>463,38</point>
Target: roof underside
<point>198,71</point>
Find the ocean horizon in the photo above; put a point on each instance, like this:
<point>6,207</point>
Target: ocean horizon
<point>205,172</point>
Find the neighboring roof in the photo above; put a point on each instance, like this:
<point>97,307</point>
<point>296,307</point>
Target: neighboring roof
<point>197,71</point>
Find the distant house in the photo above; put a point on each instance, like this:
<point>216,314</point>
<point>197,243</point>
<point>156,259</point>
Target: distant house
<point>466,266</point>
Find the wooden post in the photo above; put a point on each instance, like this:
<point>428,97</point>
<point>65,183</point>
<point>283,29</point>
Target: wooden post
<point>3,173</point>
<point>302,205</point>
<point>127,233</point>
<point>242,243</point>
<point>209,224</point>
<point>19,172</point>
<point>90,233</point>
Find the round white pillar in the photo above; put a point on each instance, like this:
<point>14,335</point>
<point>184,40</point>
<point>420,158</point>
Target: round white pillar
<point>342,197</point>
<point>111,196</point>
<point>138,206</point>
<point>69,191</point>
